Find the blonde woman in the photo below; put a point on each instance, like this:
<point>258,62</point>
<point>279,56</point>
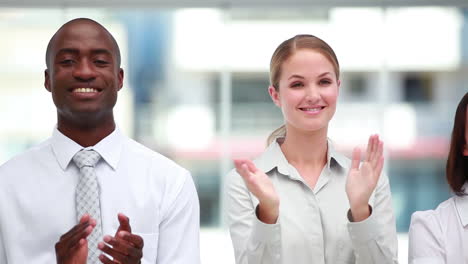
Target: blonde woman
<point>301,201</point>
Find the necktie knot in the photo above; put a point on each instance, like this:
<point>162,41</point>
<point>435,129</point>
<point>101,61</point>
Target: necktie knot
<point>86,158</point>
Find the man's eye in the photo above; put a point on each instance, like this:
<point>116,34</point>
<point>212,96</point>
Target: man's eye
<point>101,62</point>
<point>66,61</point>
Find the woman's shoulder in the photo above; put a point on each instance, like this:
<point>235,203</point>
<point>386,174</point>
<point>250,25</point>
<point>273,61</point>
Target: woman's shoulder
<point>436,218</point>
<point>429,233</point>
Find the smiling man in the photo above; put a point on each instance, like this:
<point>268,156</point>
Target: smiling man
<point>89,194</point>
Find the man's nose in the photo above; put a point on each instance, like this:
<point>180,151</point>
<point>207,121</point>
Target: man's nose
<point>84,71</point>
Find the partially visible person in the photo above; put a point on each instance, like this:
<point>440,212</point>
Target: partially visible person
<point>440,236</point>
<point>89,194</point>
<point>301,201</point>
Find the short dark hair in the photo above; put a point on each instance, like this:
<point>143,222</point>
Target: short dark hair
<point>51,41</point>
<point>457,163</point>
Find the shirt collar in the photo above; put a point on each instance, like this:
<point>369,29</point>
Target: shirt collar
<point>273,158</point>
<point>335,160</point>
<point>461,203</point>
<point>109,148</point>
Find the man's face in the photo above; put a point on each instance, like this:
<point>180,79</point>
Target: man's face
<point>84,76</point>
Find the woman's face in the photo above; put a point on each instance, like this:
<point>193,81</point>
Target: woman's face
<point>308,90</point>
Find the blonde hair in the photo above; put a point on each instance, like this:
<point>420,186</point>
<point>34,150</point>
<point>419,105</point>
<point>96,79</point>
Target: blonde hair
<point>284,51</point>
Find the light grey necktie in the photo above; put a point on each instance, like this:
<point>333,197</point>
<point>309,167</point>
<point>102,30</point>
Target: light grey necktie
<point>87,198</point>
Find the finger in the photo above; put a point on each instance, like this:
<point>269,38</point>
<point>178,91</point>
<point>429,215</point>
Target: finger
<point>104,259</point>
<point>381,145</point>
<point>74,241</point>
<point>246,174</point>
<point>375,148</point>
<point>369,148</point>
<point>121,245</point>
<point>356,158</point>
<point>63,247</point>
<point>76,238</point>
<point>77,228</point>
<point>116,255</point>
<point>378,153</point>
<point>85,218</point>
<point>379,167</point>
<point>251,166</point>
<point>371,153</point>
<point>238,164</point>
<point>243,171</point>
<point>135,240</point>
<point>82,224</point>
<point>81,243</point>
<point>124,223</point>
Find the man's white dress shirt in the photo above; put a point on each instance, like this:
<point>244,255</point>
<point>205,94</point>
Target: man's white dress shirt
<point>440,236</point>
<point>312,227</point>
<point>37,200</point>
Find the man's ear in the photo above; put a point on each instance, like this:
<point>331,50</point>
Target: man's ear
<point>47,80</point>
<point>275,96</point>
<point>121,78</point>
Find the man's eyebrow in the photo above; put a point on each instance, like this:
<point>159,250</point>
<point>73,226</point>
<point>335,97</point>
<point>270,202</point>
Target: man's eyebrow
<point>101,51</point>
<point>76,51</point>
<point>68,50</point>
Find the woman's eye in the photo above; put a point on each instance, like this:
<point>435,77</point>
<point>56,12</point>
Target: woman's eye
<point>296,84</point>
<point>325,82</point>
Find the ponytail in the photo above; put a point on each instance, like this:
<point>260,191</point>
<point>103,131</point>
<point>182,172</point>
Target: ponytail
<point>279,132</point>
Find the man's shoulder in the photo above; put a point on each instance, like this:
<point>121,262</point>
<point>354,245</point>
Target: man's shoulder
<point>19,167</point>
<point>25,158</point>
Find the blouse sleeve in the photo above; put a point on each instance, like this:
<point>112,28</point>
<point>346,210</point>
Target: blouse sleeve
<point>425,239</point>
<point>374,239</point>
<point>254,242</point>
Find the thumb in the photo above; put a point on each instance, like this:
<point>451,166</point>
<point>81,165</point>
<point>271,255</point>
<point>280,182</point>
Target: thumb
<point>251,166</point>
<point>124,223</point>
<point>82,250</point>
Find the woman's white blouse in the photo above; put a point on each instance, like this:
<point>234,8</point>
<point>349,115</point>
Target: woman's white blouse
<point>440,236</point>
<point>313,226</point>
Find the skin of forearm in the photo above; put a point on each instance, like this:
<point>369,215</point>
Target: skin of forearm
<point>268,214</point>
<point>360,212</point>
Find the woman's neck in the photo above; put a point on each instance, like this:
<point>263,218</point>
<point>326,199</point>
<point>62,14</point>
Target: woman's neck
<point>305,149</point>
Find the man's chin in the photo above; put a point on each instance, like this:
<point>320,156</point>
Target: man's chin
<point>86,115</point>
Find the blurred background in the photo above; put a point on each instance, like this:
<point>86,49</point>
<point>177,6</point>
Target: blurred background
<point>196,78</point>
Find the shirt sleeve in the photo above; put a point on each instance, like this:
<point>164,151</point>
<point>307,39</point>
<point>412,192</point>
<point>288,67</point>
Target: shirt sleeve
<point>2,251</point>
<point>425,239</point>
<point>374,239</point>
<point>179,230</point>
<point>254,242</point>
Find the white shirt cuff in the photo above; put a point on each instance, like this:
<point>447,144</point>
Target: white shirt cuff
<point>365,230</point>
<point>266,233</point>
<point>427,261</point>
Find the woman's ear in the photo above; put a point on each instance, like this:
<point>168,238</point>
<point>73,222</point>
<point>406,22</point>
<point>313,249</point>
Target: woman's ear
<point>275,96</point>
<point>465,150</point>
<point>338,82</point>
